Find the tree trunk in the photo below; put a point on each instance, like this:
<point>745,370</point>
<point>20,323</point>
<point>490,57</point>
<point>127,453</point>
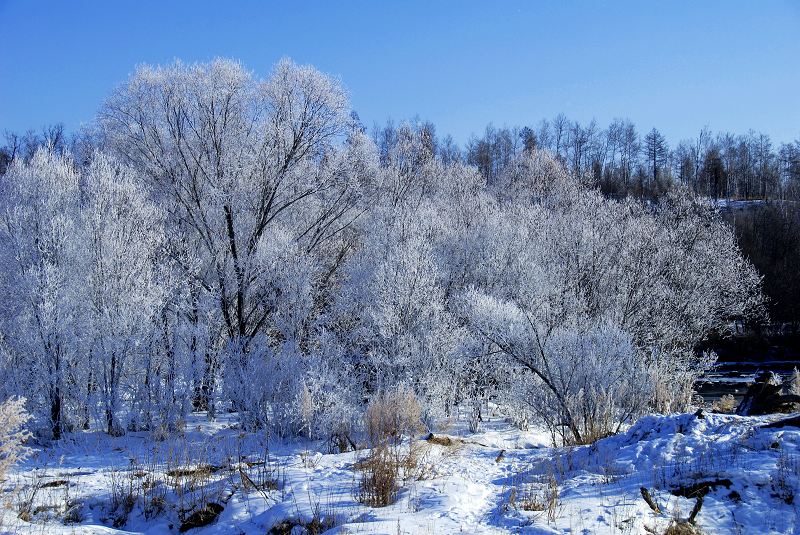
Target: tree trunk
<point>55,411</point>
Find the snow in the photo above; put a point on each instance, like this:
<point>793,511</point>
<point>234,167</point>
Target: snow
<point>465,487</point>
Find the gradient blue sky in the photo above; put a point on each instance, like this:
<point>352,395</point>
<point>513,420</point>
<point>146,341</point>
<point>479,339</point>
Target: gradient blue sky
<point>677,65</point>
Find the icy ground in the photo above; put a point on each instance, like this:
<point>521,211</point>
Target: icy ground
<point>92,482</point>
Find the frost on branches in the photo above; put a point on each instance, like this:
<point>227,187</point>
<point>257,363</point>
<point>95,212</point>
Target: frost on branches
<point>13,434</point>
<point>238,243</point>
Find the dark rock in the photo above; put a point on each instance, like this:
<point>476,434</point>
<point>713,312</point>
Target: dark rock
<point>766,396</point>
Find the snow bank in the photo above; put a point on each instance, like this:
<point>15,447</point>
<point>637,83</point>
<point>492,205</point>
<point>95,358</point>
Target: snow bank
<point>497,481</point>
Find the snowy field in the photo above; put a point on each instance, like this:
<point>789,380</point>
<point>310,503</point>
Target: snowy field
<point>500,480</point>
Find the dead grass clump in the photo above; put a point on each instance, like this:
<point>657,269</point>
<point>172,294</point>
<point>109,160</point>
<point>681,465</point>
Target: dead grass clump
<point>125,491</point>
<point>392,415</point>
<point>682,528</point>
<point>379,478</point>
<point>726,404</point>
<point>439,440</point>
<point>203,470</point>
<point>416,464</point>
<point>27,495</point>
<point>195,485</point>
<point>537,498</point>
<point>73,513</point>
<point>388,418</point>
<point>787,471</point>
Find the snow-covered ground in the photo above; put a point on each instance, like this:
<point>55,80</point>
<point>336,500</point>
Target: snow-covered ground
<point>500,480</point>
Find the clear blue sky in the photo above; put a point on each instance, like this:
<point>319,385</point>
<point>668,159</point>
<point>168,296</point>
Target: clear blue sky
<point>677,65</point>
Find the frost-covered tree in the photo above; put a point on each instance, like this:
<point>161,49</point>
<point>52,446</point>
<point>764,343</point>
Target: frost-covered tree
<point>125,287</point>
<point>235,157</point>
<point>81,283</point>
<point>42,258</point>
<point>245,167</point>
<point>569,264</point>
<point>411,337</point>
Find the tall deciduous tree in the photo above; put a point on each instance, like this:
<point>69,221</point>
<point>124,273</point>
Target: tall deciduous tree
<point>657,151</point>
<point>239,163</point>
<point>42,253</point>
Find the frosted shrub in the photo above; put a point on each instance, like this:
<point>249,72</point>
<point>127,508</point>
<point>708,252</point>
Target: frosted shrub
<point>265,387</point>
<point>794,383</point>
<point>292,393</point>
<point>610,384</point>
<point>600,303</point>
<point>330,399</point>
<point>401,308</point>
<point>597,381</point>
<point>13,434</point>
<point>673,376</point>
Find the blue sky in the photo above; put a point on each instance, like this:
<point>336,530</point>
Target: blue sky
<point>676,65</point>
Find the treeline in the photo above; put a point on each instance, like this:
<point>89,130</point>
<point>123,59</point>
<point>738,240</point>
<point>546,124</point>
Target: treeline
<point>618,159</point>
<point>622,161</point>
<point>217,241</point>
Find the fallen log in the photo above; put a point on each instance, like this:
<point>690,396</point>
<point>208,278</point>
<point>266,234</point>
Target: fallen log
<point>786,422</point>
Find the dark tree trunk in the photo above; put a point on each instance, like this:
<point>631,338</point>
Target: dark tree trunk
<point>55,412</point>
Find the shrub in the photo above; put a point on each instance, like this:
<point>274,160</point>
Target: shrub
<point>391,415</point>
<point>596,381</point>
<point>13,434</point>
<point>388,418</point>
<point>794,383</point>
<point>379,477</point>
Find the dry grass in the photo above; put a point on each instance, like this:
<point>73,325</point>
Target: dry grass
<point>439,440</point>
<point>682,528</point>
<point>379,478</point>
<point>726,404</point>
<point>536,497</point>
<point>26,495</point>
<point>391,416</point>
<point>388,418</point>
